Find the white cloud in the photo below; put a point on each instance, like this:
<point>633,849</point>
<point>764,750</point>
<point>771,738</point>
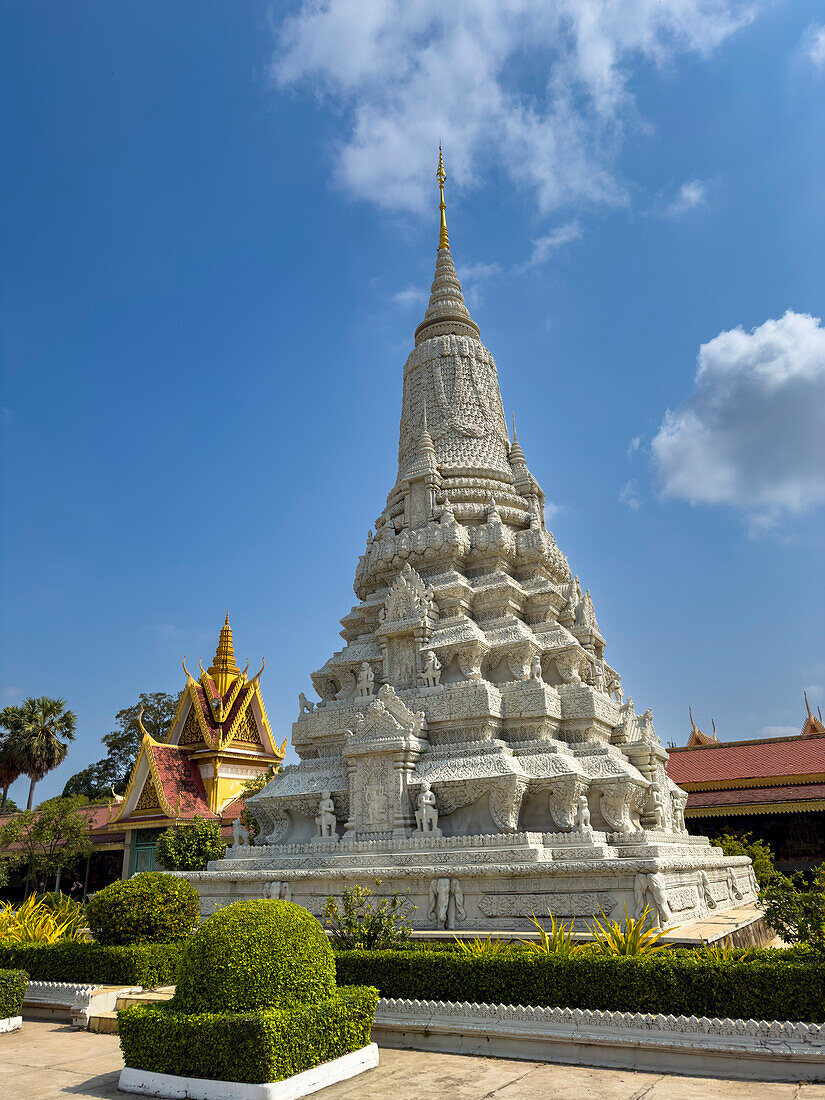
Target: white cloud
<point>813,46</point>
<point>634,445</point>
<point>411,296</point>
<point>752,433</point>
<point>541,90</point>
<point>691,194</point>
<point>545,246</point>
<point>779,731</point>
<point>629,495</point>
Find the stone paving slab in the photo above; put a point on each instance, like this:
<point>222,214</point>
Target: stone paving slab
<point>48,1061</point>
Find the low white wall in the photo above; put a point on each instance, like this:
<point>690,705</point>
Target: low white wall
<point>749,1049</point>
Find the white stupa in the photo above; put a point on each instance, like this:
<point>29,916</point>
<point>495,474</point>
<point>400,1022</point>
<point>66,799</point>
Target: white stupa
<point>471,746</point>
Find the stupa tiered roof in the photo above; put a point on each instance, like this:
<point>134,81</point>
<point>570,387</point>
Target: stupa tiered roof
<point>470,743</point>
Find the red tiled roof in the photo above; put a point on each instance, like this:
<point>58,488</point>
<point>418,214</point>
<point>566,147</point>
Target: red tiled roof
<point>233,810</point>
<point>787,792</point>
<point>180,778</point>
<point>786,756</point>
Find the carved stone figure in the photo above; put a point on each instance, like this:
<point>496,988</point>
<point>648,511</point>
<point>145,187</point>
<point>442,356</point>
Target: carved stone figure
<point>366,681</point>
<point>374,803</point>
<point>705,891</point>
<point>325,819</point>
<point>446,902</point>
<point>280,891</point>
<point>426,815</point>
<point>677,805</point>
<point>650,891</point>
<point>658,807</point>
<point>304,705</point>
<point>733,886</point>
<point>431,673</point>
<point>752,880</point>
<point>240,834</point>
<point>535,668</point>
<point>582,812</point>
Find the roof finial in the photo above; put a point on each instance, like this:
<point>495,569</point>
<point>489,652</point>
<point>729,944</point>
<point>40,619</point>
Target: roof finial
<point>807,704</point>
<point>441,175</point>
<point>515,437</point>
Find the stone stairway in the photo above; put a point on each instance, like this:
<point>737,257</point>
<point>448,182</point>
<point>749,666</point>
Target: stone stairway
<point>105,1023</point>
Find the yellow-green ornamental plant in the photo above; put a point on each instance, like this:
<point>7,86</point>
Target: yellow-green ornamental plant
<point>722,952</point>
<point>483,948</point>
<point>634,936</point>
<point>38,920</point>
<point>557,941</point>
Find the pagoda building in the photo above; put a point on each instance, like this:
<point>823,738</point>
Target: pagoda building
<point>220,739</point>
<point>470,746</point>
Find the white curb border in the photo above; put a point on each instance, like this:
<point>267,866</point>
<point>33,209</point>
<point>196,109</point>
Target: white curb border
<point>699,1046</point>
<point>10,1023</point>
<point>199,1088</point>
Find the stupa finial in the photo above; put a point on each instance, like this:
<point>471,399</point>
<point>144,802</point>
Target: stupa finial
<point>224,668</point>
<point>441,175</point>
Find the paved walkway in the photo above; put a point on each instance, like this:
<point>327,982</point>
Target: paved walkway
<point>45,1061</point>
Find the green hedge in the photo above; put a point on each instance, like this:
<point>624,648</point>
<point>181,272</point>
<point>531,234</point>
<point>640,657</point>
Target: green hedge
<point>150,907</point>
<point>267,1044</point>
<point>12,991</point>
<point>769,985</point>
<point>145,964</point>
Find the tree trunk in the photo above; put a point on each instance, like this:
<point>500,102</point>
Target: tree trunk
<point>31,794</point>
<point>5,796</point>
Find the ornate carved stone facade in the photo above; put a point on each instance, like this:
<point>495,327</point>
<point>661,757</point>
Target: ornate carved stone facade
<point>473,663</point>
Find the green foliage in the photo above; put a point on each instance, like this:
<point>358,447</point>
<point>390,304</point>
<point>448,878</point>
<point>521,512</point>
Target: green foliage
<point>255,954</point>
<point>12,991</point>
<point>722,952</point>
<point>190,847</point>
<point>38,732</point>
<point>769,985</point>
<point>361,923</point>
<point>122,744</point>
<point>47,919</point>
<point>267,1044</point>
<point>254,786</point>
<point>151,907</point>
<point>633,936</point>
<point>795,909</point>
<point>147,964</point>
<point>558,940</point>
<point>482,948</point>
<point>760,853</point>
<point>52,838</point>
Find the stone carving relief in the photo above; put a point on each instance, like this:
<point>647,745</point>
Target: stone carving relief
<point>426,814</point>
<point>705,892</point>
<point>650,891</point>
<point>446,900</point>
<point>615,807</point>
<point>430,675</point>
<point>280,891</point>
<point>365,682</point>
<point>585,904</point>
<point>678,801</point>
<point>657,806</point>
<point>325,818</point>
<point>733,886</point>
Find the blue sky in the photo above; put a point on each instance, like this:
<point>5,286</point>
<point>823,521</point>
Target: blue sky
<point>218,231</point>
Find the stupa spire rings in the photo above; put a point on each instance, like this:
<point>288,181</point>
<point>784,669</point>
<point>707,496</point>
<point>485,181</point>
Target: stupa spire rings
<point>441,175</point>
<point>224,669</point>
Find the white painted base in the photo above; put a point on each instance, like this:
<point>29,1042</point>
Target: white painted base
<point>301,1084</point>
<point>11,1023</point>
<point>746,1049</point>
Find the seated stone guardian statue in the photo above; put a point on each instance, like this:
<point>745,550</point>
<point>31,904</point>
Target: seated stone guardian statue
<point>240,835</point>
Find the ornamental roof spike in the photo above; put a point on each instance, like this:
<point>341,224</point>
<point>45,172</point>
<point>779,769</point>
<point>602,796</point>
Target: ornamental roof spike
<point>224,669</point>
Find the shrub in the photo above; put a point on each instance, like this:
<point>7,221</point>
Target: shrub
<point>364,924</point>
<point>558,941</point>
<point>480,948</point>
<point>12,991</point>
<point>190,847</point>
<point>147,964</point>
<point>267,1044</point>
<point>768,985</point>
<point>256,1001</point>
<point>758,851</point>
<point>633,936</point>
<point>149,908</point>
<point>254,954</point>
<point>795,910</point>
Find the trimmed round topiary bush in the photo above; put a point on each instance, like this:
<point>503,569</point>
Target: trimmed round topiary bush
<point>151,907</point>
<point>254,954</point>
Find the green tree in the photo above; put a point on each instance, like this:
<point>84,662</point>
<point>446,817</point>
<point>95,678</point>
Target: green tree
<point>49,839</point>
<point>39,732</point>
<point>795,909</point>
<point>9,762</point>
<point>112,772</point>
<point>190,847</point>
<point>759,852</point>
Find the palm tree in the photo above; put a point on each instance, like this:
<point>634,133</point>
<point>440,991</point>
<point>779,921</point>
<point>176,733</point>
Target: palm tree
<point>9,762</point>
<point>37,727</point>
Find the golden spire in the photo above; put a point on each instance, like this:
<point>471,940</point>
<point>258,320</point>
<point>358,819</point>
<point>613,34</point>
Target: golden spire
<point>441,175</point>
<point>224,670</point>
